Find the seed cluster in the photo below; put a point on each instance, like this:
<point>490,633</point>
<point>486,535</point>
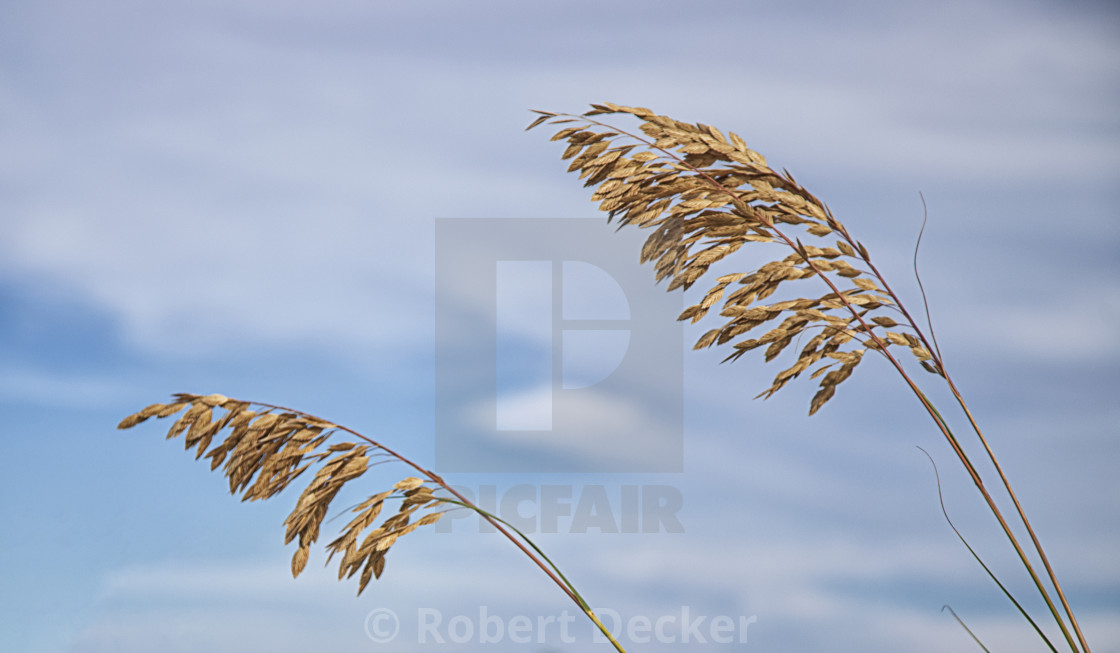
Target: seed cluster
<point>265,450</point>
<point>704,195</point>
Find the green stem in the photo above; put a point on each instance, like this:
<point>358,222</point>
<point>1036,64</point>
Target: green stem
<point>975,555</point>
<point>967,629</point>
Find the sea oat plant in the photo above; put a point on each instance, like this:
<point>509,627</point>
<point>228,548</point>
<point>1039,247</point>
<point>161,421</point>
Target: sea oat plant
<point>704,195</point>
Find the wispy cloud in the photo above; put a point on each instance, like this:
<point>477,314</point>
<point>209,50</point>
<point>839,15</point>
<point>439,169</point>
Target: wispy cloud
<point>43,388</point>
<point>214,178</point>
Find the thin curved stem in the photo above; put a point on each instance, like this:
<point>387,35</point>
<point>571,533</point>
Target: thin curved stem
<point>582,603</point>
<point>945,512</point>
<point>922,288</point>
<point>966,628</point>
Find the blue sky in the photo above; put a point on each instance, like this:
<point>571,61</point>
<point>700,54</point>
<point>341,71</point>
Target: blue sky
<point>241,197</point>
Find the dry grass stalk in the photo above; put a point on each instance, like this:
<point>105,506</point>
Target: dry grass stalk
<point>266,448</point>
<point>704,195</point>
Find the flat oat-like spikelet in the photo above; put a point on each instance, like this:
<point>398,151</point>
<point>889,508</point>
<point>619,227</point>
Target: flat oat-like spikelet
<point>704,195</point>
